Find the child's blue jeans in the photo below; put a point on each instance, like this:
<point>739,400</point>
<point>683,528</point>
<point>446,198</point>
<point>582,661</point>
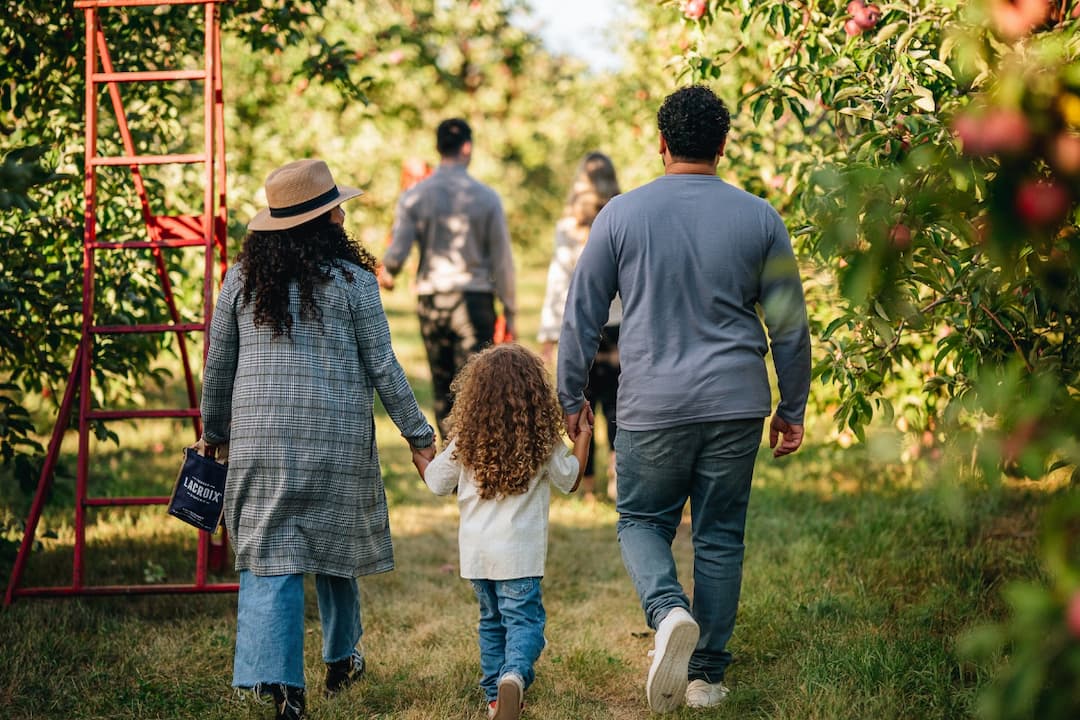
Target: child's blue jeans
<point>512,623</point>
<point>270,626</point>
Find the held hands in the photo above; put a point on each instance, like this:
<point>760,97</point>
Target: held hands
<point>421,457</point>
<point>573,420</point>
<point>582,437</point>
<point>584,423</point>
<point>792,436</point>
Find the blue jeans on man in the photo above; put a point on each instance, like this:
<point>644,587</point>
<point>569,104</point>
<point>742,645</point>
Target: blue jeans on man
<point>512,621</point>
<point>270,626</point>
<point>710,465</point>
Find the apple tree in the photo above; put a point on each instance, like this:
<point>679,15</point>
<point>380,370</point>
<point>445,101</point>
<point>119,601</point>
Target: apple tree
<point>927,156</point>
<point>41,191</point>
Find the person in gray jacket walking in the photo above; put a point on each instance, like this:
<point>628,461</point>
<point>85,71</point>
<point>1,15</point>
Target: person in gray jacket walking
<point>298,346</point>
<point>465,261</point>
<point>695,260</point>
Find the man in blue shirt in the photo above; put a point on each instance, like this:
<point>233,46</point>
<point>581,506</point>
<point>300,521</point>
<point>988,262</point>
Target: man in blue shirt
<point>695,261</point>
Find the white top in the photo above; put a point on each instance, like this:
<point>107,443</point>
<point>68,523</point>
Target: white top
<point>504,538</point>
<point>568,249</point>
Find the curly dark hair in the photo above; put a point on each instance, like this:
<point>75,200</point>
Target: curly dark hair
<point>694,122</point>
<point>274,259</point>
<point>506,418</point>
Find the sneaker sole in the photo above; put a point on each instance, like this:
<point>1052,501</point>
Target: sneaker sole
<point>508,702</point>
<point>666,686</point>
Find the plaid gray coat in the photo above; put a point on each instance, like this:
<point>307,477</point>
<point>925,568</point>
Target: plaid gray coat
<point>304,492</point>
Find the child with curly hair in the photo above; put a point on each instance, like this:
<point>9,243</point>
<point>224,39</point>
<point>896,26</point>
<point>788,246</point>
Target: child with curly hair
<point>505,453</point>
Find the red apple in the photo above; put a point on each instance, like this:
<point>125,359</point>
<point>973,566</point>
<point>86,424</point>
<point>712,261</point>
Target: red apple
<point>1042,202</point>
<point>1072,615</point>
<point>998,130</point>
<point>693,9</point>
<point>852,28</point>
<point>968,129</point>
<point>1016,18</point>
<point>900,237</point>
<point>1007,130</point>
<point>855,6</point>
<point>867,17</point>
<point>1065,153</point>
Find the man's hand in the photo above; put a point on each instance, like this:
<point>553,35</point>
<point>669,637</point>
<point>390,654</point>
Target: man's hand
<point>386,280</point>
<point>792,436</point>
<point>573,419</point>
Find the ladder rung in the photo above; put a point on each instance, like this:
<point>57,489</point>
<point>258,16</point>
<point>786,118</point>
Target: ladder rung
<point>122,590</point>
<point>147,329</point>
<point>130,414</point>
<point>148,159</point>
<point>142,244</point>
<point>137,3</point>
<point>122,501</point>
<point>148,76</point>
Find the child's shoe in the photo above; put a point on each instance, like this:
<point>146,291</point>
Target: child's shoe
<point>702,694</point>
<point>676,638</point>
<point>508,704</point>
<point>342,673</point>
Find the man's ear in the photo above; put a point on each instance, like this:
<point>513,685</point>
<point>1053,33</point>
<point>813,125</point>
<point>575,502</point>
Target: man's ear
<point>663,145</point>
<point>720,150</point>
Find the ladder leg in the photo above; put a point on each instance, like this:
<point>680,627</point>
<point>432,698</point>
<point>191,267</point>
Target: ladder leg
<point>45,481</point>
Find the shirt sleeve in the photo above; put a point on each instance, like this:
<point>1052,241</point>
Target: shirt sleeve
<point>443,473</point>
<point>592,288</point>
<point>502,261</point>
<point>784,307</point>
<point>403,234</point>
<point>221,361</point>
<point>373,342</point>
<point>563,468</point>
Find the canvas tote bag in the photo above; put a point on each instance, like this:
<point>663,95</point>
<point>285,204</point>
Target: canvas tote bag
<point>198,496</point>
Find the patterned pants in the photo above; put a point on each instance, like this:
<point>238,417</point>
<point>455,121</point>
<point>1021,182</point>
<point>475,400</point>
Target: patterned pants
<point>454,326</point>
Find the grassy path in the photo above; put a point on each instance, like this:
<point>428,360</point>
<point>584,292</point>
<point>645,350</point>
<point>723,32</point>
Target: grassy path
<point>858,580</point>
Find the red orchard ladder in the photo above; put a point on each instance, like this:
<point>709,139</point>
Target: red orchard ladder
<point>163,233</point>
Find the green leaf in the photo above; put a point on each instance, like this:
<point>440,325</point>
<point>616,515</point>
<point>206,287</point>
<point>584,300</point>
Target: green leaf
<point>925,99</point>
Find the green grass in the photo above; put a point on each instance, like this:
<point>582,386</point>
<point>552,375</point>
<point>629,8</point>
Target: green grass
<point>860,575</point>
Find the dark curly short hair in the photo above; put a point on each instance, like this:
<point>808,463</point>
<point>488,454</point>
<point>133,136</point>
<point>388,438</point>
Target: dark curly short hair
<point>694,122</point>
<point>451,135</point>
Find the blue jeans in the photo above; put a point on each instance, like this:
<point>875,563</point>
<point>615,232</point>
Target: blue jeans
<point>711,465</point>
<point>270,626</point>
<point>512,623</point>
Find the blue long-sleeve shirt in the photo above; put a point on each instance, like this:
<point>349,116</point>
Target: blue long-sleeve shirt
<point>695,260</point>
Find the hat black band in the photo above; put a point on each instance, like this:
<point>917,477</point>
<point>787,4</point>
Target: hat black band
<point>306,206</point>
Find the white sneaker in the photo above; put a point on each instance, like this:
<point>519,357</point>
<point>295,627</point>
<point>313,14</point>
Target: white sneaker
<point>676,638</point>
<point>701,694</point>
<point>508,703</point>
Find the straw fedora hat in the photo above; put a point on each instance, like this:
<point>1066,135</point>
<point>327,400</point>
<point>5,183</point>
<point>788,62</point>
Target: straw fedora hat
<point>300,191</point>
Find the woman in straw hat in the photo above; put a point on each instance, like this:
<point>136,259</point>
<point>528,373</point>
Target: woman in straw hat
<point>298,346</point>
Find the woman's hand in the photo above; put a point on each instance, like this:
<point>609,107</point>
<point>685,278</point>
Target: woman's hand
<point>422,457</point>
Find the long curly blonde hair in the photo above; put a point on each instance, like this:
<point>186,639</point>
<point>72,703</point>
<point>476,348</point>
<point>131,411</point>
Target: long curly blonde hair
<point>506,418</point>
